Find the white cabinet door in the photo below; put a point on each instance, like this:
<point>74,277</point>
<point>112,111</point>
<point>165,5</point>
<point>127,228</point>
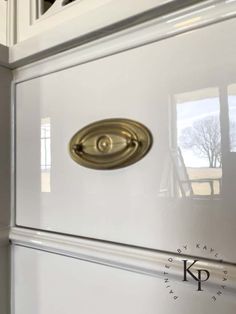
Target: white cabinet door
<point>182,192</point>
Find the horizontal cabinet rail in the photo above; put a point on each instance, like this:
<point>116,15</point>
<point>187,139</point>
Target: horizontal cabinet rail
<point>134,259</point>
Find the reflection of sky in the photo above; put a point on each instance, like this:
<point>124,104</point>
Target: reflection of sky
<point>45,163</point>
<point>232,108</point>
<point>187,114</point>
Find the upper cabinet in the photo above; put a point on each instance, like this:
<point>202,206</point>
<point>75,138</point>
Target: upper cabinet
<point>38,16</point>
<point>3,22</point>
<point>21,20</point>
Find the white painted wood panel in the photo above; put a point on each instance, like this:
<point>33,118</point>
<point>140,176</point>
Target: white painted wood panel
<point>129,30</point>
<point>137,260</point>
<point>5,174</point>
<point>47,283</point>
<point>3,22</point>
<point>5,131</point>
<point>141,204</point>
<point>90,13</point>
<point>5,268</point>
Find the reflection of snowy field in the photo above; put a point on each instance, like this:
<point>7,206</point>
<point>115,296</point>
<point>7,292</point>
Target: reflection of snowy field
<point>45,181</point>
<point>191,160</point>
<point>205,173</point>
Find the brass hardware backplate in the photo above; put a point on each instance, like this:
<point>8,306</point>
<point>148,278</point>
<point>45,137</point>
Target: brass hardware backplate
<point>110,144</point>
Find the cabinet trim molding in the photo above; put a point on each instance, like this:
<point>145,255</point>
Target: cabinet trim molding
<point>139,260</point>
<point>110,41</point>
<point>141,29</point>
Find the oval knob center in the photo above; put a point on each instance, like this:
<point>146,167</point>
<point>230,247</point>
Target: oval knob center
<point>104,144</point>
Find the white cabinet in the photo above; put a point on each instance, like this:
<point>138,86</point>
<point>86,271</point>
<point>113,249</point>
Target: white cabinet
<point>5,83</point>
<point>119,241</point>
<point>177,194</point>
<point>5,160</point>
<point>35,17</point>
<point>3,22</point>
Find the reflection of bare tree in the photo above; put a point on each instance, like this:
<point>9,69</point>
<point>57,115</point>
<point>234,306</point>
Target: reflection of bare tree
<point>204,138</point>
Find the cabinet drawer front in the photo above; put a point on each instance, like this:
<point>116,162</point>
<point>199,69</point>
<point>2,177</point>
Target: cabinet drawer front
<point>48,283</point>
<point>183,89</point>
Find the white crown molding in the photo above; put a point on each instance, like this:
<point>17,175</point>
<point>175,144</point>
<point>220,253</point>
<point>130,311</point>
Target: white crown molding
<point>139,260</point>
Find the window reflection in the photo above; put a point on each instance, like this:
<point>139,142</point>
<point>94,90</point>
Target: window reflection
<point>196,153</point>
<point>45,154</point>
<point>232,116</point>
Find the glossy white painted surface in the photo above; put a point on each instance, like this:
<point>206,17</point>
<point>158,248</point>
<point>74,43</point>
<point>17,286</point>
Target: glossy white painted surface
<point>133,205</point>
<point>90,13</point>
<point>103,21</point>
<point>51,284</point>
<point>5,125</point>
<point>3,22</point>
<point>5,81</point>
<point>138,260</point>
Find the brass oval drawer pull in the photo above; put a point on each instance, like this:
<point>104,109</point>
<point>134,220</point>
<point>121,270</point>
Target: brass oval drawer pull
<point>110,144</point>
